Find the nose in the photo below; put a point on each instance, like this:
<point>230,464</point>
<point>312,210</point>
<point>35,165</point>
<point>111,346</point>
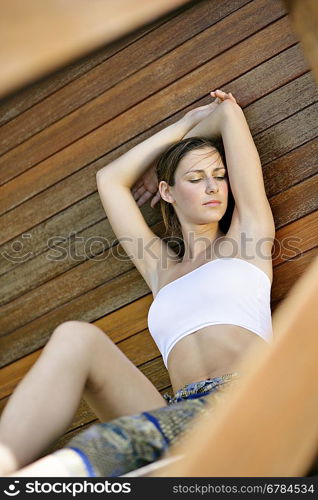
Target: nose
<point>212,185</point>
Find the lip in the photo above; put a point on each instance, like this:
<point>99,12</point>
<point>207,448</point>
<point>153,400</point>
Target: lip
<point>212,203</point>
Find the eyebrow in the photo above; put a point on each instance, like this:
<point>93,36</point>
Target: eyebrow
<point>198,170</point>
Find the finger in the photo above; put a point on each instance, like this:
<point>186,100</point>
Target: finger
<point>139,192</point>
<point>144,198</point>
<point>217,101</point>
<point>221,94</point>
<point>153,188</point>
<point>217,98</point>
<point>155,199</point>
<point>224,96</point>
<point>137,185</point>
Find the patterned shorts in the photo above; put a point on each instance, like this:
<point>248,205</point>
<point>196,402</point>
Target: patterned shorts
<point>126,443</point>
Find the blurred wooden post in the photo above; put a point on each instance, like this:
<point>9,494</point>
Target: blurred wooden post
<point>267,423</point>
<point>41,36</point>
<point>303,15</point>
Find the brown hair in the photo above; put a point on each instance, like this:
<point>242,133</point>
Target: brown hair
<point>166,166</point>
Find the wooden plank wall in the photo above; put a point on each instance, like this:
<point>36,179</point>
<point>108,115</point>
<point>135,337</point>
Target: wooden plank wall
<point>59,257</point>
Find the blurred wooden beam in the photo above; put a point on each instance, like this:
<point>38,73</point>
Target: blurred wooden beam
<point>267,424</point>
<point>303,15</point>
<point>40,36</point>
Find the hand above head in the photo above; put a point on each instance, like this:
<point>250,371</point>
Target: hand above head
<point>196,115</point>
<point>147,187</point>
<point>215,114</point>
<point>222,96</point>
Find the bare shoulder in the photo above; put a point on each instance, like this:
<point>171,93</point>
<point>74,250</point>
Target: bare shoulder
<point>166,260</point>
<point>148,252</point>
<point>244,240</point>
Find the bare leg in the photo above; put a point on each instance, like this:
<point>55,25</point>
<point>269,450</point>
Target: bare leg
<point>62,463</point>
<point>78,360</point>
<point>126,443</point>
<point>45,401</point>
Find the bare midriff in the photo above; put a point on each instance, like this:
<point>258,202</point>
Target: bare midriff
<point>210,352</point>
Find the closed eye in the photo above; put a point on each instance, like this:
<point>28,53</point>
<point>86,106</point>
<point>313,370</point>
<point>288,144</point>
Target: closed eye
<point>197,180</point>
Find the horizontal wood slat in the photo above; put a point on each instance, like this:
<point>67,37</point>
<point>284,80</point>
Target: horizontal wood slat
<point>96,242</point>
<point>286,274</point>
<point>295,238</point>
<point>295,166</point>
<point>297,201</point>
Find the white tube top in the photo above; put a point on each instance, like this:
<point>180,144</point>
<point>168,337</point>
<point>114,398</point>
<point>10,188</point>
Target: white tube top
<point>222,291</point>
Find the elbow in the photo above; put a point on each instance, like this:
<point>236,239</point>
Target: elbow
<point>107,175</point>
<point>100,174</point>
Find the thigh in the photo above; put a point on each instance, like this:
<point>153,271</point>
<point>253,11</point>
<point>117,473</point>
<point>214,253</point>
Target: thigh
<point>115,386</point>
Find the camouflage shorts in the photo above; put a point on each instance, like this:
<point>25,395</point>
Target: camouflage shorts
<point>126,443</point>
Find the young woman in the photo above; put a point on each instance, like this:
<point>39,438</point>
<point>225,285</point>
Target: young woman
<point>211,302</point>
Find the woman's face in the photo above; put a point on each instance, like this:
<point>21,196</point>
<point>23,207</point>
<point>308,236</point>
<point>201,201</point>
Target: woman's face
<point>199,178</point>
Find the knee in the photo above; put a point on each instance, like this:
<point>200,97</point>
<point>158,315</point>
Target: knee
<point>72,324</point>
<point>77,333</point>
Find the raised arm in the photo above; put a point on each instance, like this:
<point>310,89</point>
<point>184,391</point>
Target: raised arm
<point>128,168</point>
<point>242,158</point>
<point>114,184</point>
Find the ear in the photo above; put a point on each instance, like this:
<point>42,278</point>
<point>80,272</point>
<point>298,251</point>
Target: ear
<point>165,192</point>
